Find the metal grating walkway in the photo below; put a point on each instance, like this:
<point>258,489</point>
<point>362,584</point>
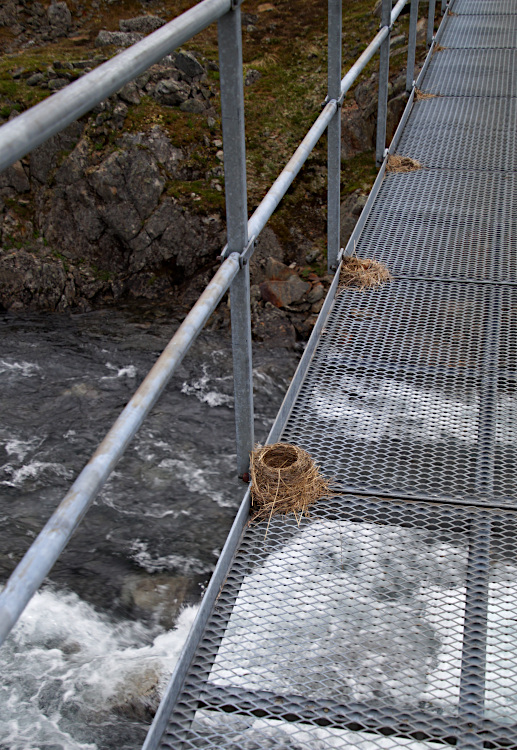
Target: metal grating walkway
<point>389,618</point>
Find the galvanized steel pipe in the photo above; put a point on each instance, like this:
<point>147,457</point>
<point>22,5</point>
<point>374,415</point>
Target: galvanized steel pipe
<point>430,22</point>
<point>279,188</point>
<point>363,60</point>
<point>384,73</point>
<point>51,541</point>
<point>335,16</point>
<point>39,123</point>
<point>232,116</point>
<point>397,10</point>
<point>410,73</point>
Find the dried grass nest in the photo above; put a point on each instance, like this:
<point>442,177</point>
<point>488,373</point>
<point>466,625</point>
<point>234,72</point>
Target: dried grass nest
<point>398,163</point>
<point>363,273</point>
<point>420,95</point>
<point>284,479</point>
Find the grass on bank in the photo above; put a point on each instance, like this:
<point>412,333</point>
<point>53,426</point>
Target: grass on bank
<point>286,42</point>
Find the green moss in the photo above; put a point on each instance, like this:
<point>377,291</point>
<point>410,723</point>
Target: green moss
<point>209,199</point>
<point>62,258</point>
<point>101,274</point>
<point>358,173</point>
<point>183,128</point>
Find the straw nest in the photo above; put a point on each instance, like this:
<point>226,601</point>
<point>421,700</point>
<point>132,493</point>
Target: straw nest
<point>420,95</point>
<point>284,479</point>
<point>398,163</point>
<point>362,273</point>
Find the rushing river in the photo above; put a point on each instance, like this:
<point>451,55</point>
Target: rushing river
<point>84,667</point>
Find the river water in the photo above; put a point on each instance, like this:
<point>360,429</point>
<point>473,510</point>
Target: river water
<point>84,667</point>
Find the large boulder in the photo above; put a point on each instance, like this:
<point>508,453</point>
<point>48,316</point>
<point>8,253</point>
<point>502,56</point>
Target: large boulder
<point>141,24</point>
<point>172,93</point>
<point>187,63</point>
<point>283,287</point>
<point>117,38</point>
<point>59,18</point>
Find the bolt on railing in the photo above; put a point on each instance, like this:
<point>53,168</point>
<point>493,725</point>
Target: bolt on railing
<point>30,129</point>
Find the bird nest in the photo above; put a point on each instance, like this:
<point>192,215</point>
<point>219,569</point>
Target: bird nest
<point>398,163</point>
<point>284,479</point>
<point>363,273</point>
<point>420,95</point>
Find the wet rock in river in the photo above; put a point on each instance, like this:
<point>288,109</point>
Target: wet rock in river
<point>161,594</point>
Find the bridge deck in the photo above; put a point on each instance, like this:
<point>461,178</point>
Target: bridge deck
<point>389,618</point>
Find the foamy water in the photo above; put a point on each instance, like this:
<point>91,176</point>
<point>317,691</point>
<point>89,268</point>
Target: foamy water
<point>209,388</point>
<point>19,368</point>
<point>67,669</point>
<point>369,584</point>
<point>372,409</point>
<point>73,676</point>
<point>364,613</point>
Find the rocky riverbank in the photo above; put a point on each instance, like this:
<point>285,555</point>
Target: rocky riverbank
<point>128,203</point>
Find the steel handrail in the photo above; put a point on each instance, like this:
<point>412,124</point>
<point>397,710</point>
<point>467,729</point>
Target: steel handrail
<point>53,538</point>
<point>33,127</point>
<point>38,124</point>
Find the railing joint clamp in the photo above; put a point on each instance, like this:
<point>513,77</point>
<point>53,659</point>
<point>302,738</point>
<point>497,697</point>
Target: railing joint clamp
<point>236,4</point>
<point>244,256</point>
<point>340,255</point>
<point>247,252</point>
<point>328,100</point>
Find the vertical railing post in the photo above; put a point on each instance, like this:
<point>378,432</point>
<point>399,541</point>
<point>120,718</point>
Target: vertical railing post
<point>232,108</point>
<point>384,70</point>
<point>411,52</point>
<point>430,22</point>
<point>334,134</point>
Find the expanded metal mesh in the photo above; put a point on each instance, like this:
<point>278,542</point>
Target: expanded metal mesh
<point>482,7</point>
<point>412,392</point>
<point>454,72</point>
<point>478,32</point>
<point>445,224</point>
<point>390,623</point>
<point>452,132</point>
<point>360,628</point>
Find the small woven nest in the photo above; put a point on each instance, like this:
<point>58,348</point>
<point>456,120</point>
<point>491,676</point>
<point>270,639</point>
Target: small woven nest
<point>284,479</point>
<point>363,273</point>
<point>420,95</point>
<point>398,163</point>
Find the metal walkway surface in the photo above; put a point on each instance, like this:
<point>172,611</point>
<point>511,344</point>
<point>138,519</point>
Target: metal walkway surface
<point>389,618</point>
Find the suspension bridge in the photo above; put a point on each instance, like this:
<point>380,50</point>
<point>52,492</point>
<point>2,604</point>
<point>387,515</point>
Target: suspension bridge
<point>388,618</point>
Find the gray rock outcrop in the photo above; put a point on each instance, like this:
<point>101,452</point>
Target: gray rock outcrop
<point>117,38</point>
<point>141,24</point>
<point>111,213</point>
<point>59,18</point>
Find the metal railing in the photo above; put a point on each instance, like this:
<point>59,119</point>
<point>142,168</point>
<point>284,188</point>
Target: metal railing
<point>36,125</point>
